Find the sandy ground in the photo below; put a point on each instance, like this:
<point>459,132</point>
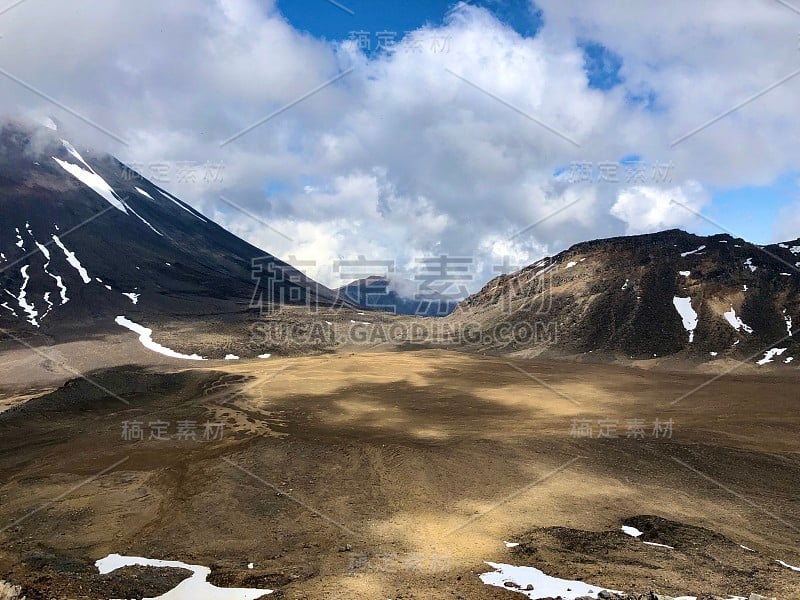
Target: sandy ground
<point>397,475</point>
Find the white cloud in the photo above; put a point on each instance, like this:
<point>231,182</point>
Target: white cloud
<point>400,158</point>
<point>646,209</point>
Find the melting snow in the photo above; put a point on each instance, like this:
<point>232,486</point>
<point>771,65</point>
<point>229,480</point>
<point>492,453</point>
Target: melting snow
<point>73,260</point>
<point>736,322</point>
<point>685,254</point>
<point>195,587</point>
<point>542,586</point>
<point>571,264</point>
<point>625,287</point>
<point>783,564</point>
<point>746,548</point>
<point>30,309</point>
<point>134,297</point>
<point>788,360</point>
<point>59,282</point>
<point>178,204</point>
<point>231,357</point>
<point>685,273</point>
<point>46,298</point>
<point>143,220</point>
<point>264,355</point>
<point>631,531</point>
<point>795,249</point>
<point>788,319</point>
<point>749,264</point>
<point>659,545</point>
<point>511,544</point>
<point>687,313</point>
<point>143,193</point>
<point>147,341</point>
<point>770,354</point>
<point>713,353</point>
<point>8,308</point>
<point>94,181</point>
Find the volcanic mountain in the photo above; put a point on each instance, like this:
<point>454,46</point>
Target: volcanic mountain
<point>84,239</point>
<point>648,296</point>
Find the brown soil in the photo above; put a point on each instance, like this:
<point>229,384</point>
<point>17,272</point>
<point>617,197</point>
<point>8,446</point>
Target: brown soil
<point>398,474</point>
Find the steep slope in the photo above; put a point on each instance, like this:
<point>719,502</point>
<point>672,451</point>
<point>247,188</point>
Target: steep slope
<point>82,241</point>
<point>647,296</point>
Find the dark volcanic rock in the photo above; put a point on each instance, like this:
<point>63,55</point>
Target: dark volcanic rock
<point>78,230</point>
<point>616,297</point>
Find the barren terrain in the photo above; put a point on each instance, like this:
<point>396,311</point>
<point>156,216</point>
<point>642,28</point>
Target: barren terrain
<point>399,474</point>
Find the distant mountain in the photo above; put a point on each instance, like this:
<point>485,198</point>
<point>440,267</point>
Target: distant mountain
<point>84,239</point>
<point>378,293</point>
<point>646,296</point>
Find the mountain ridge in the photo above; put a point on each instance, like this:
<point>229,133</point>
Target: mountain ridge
<point>626,296</point>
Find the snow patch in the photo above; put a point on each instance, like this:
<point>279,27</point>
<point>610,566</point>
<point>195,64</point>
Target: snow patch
<point>62,289</point>
<point>749,264</point>
<point>788,566</point>
<point>29,309</point>
<point>133,297</point>
<point>511,544</point>
<point>264,355</point>
<point>571,264</point>
<point>195,587</point>
<point>770,354</point>
<point>73,260</point>
<point>542,586</point>
<point>145,337</point>
<point>736,322</point>
<point>143,193</point>
<point>631,531</point>
<point>685,273</point>
<point>685,254</point>
<point>179,205</point>
<point>231,357</point>
<point>687,313</point>
<point>659,545</point>
<point>94,181</point>
<point>143,220</point>
<point>46,298</point>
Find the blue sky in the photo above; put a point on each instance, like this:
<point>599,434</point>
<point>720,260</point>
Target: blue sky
<point>410,154</point>
<point>336,20</point>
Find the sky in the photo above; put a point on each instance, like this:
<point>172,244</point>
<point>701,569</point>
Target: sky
<point>502,131</point>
